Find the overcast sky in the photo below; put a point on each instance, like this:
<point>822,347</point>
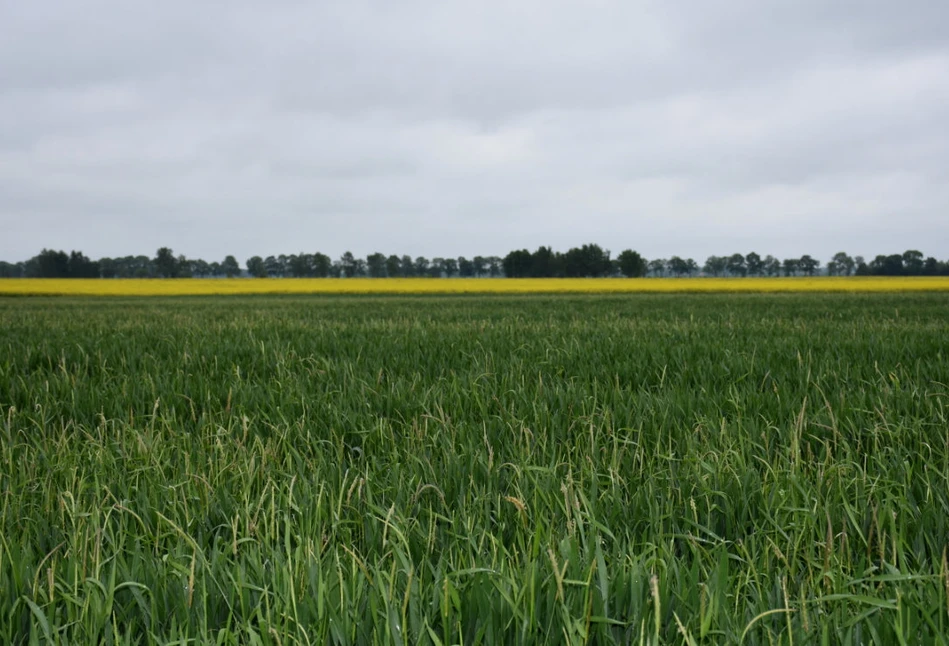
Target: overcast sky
<point>674,127</point>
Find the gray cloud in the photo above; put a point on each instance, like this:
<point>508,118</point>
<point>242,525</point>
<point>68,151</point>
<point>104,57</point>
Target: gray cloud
<point>417,127</point>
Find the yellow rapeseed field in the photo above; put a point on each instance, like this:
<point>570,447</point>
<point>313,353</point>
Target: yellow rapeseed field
<point>198,286</point>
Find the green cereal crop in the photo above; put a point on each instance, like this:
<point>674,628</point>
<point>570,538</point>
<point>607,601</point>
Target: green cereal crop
<point>611,469</point>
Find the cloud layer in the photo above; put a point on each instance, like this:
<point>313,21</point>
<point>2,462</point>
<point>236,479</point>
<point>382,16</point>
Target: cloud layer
<point>442,129</point>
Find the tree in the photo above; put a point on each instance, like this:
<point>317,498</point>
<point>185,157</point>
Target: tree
<point>406,266</point>
<point>348,264</point>
<point>790,266</point>
<point>678,266</point>
<point>183,267</point>
<point>913,262</point>
<point>545,263</point>
<point>736,265</point>
<point>437,267</point>
<point>10,270</point>
<point>891,265</point>
<point>275,266</point>
<point>165,263</point>
<point>465,267</point>
<point>657,266</point>
<point>771,265</point>
<point>480,265</point>
<point>494,266</point>
<point>299,265</point>
<point>420,267</point>
<point>450,265</point>
<point>256,267</point>
<point>631,264</point>
<point>321,265</point>
<point>517,264</point>
<point>715,265</point>
<point>392,266</point>
<point>129,267</point>
<point>230,267</point>
<point>79,266</point>
<point>143,267</point>
<point>842,264</point>
<point>200,268</point>
<point>588,261</point>
<point>376,264</point>
<point>49,264</point>
<point>862,269</point>
<point>754,264</point>
<point>108,268</point>
<point>808,264</point>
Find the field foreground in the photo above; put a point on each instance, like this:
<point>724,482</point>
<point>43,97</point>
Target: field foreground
<point>241,286</point>
<point>638,469</point>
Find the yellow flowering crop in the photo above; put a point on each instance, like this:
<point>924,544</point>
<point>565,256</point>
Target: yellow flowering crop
<point>212,286</point>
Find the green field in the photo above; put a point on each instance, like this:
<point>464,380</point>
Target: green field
<point>676,469</point>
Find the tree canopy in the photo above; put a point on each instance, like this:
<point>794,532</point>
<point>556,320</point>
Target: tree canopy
<point>586,261</point>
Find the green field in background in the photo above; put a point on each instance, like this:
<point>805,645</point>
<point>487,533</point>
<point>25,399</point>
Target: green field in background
<point>681,469</point>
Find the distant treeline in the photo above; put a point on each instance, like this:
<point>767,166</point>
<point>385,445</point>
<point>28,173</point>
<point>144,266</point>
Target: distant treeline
<point>589,260</point>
